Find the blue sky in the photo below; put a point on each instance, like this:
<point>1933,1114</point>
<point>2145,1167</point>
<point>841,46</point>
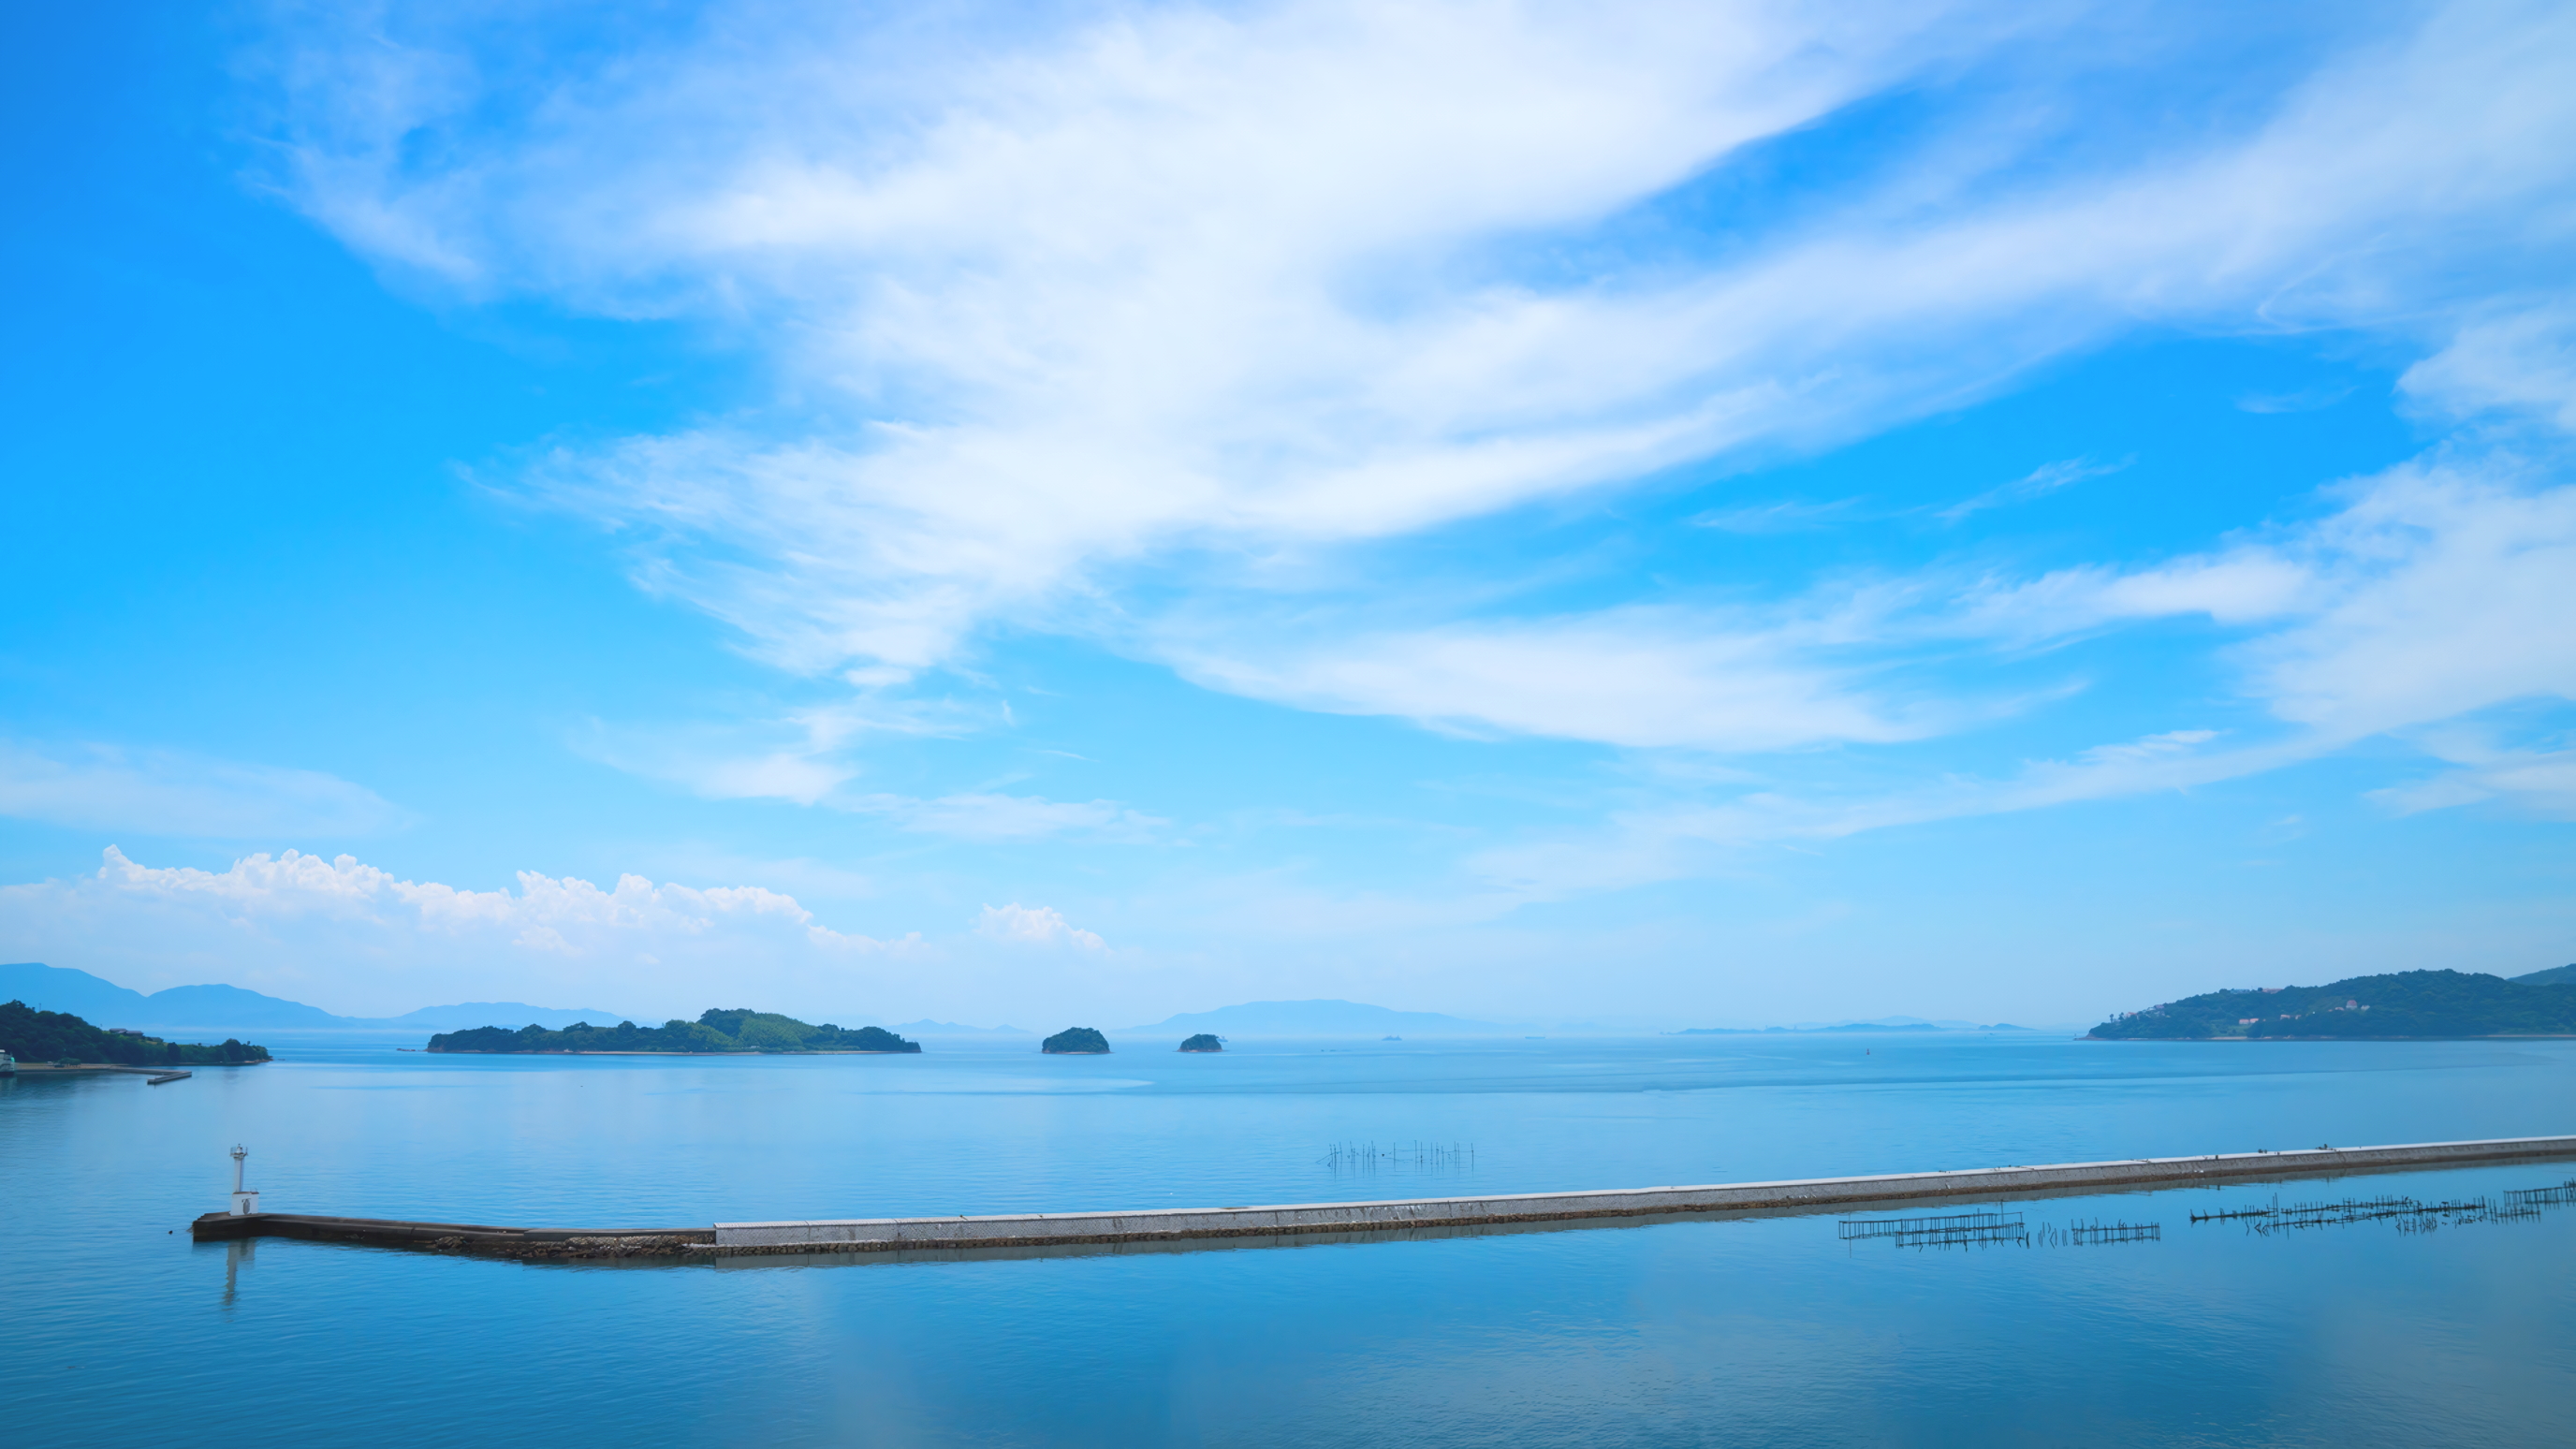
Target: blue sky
<point>1656,515</point>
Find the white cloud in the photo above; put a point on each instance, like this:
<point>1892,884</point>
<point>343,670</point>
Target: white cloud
<point>2302,400</point>
<point>294,885</point>
<point>2533,781</point>
<point>2439,590</point>
<point>2039,482</point>
<point>361,941</point>
<point>813,758</point>
<point>160,792</point>
<point>1675,841</point>
<point>2241,586</point>
<point>2447,587</point>
<point>1034,926</point>
<point>2515,361</point>
<point>1174,284</point>
<point>2433,589</point>
<point>2440,587</point>
<point>1055,306</point>
<point>803,755</point>
<point>1787,515</point>
<point>996,817</point>
<point>1637,677</point>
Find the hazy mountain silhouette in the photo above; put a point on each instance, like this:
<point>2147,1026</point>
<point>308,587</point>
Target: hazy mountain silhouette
<point>209,1008</point>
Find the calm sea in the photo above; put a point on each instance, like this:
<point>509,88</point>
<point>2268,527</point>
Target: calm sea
<point>115,1329</point>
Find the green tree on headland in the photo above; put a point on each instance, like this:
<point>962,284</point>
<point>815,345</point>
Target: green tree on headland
<point>58,1036</point>
<point>739,1029</point>
<point>2403,1004</point>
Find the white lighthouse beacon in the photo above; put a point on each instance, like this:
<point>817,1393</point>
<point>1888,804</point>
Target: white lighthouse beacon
<point>245,1200</point>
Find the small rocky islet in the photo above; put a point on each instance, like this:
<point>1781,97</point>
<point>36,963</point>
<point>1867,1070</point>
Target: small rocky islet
<point>1206,1041</point>
<point>1079,1041</point>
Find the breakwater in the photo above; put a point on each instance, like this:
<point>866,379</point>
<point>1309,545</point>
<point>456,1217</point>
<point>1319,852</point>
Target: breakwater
<point>1344,1219</point>
<point>456,1237</point>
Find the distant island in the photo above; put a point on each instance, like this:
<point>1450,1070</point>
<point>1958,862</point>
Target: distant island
<point>2403,1004</point>
<point>1076,1041</point>
<point>1206,1041</point>
<point>717,1032</point>
<point>58,1036</point>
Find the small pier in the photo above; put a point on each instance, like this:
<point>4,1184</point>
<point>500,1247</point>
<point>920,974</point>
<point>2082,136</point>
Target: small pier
<point>1346,1220</point>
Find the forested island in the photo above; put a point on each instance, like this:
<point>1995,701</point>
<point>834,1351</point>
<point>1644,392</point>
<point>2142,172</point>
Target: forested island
<point>718,1031</point>
<point>1206,1041</point>
<point>58,1036</point>
<point>1078,1041</point>
<point>2403,1004</point>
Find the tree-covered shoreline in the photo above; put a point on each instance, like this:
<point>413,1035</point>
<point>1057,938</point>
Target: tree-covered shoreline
<point>55,1036</point>
<point>2401,1004</point>
<point>733,1031</point>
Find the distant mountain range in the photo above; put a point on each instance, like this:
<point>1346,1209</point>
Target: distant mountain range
<point>224,1008</point>
<point>1319,1018</point>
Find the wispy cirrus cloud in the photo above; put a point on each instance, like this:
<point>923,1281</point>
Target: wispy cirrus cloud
<point>2537,778</point>
<point>2519,357</point>
<point>994,817</point>
<point>814,758</point>
<point>2039,482</point>
<point>1014,287</point>
<point>170,792</point>
<point>2436,593</point>
<point>1174,294</point>
<point>1645,678</point>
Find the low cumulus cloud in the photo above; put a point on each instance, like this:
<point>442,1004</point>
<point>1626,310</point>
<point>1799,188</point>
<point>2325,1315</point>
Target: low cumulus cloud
<point>356,939</point>
<point>1034,926</point>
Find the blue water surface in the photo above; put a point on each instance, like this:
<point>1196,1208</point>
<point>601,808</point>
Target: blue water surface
<point>115,1328</point>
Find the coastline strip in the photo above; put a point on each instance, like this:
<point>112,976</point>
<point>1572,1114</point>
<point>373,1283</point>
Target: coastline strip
<point>1022,1230</point>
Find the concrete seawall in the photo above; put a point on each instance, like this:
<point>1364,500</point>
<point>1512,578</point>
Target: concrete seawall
<point>1807,1194</point>
<point>1302,1221</point>
<point>455,1237</point>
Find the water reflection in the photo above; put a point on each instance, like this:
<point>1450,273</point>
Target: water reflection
<point>239,1253</point>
